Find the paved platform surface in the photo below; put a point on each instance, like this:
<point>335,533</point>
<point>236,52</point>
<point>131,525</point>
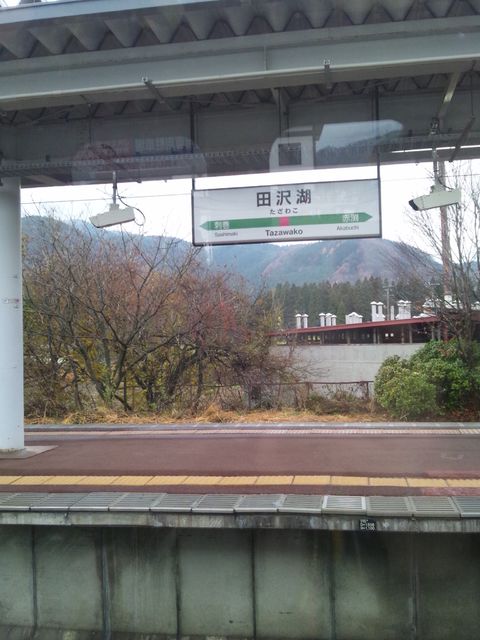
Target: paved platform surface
<point>348,459</point>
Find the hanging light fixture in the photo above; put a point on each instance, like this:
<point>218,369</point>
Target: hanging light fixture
<point>114,215</point>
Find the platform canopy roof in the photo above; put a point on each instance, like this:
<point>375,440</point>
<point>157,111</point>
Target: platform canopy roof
<point>164,88</point>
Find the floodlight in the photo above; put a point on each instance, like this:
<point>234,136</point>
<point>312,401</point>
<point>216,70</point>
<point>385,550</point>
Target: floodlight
<point>114,215</point>
<point>438,197</point>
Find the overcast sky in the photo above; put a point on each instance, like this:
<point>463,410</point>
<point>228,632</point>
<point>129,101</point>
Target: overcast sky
<point>167,207</point>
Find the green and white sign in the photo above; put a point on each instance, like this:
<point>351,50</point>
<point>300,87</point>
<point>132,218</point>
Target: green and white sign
<point>314,211</point>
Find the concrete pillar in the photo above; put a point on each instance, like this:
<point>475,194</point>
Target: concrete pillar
<point>11,325</point>
<point>216,580</point>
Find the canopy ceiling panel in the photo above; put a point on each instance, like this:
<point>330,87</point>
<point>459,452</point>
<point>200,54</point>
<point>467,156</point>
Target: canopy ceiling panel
<point>165,88</point>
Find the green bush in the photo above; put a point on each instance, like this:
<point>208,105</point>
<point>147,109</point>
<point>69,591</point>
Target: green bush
<point>442,364</point>
<point>407,394</point>
<point>433,381</point>
<point>391,367</point>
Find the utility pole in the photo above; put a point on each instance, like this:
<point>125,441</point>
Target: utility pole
<point>387,289</point>
<point>445,237</point>
<point>439,176</point>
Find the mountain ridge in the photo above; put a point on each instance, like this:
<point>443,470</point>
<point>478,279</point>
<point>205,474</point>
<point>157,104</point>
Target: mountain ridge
<point>332,260</point>
<point>296,263</point>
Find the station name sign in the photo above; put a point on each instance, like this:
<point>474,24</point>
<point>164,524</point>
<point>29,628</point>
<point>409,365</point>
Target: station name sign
<point>313,211</point>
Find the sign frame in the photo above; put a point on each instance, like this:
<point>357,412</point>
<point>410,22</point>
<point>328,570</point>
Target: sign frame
<point>227,229</point>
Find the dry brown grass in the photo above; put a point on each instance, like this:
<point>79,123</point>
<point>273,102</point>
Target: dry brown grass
<point>213,414</point>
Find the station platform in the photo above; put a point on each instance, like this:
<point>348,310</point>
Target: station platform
<point>357,459</point>
<point>262,513</point>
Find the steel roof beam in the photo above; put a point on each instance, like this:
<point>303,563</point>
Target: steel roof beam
<point>448,95</point>
<point>155,93</point>
<point>252,62</point>
<point>87,9</point>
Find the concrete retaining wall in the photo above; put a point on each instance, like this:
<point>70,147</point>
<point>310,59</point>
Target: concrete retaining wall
<point>72,583</point>
<point>344,363</point>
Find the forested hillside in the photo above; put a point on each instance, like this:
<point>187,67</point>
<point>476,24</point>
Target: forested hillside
<point>335,261</point>
<point>338,276</point>
<point>332,260</point>
<point>344,297</point>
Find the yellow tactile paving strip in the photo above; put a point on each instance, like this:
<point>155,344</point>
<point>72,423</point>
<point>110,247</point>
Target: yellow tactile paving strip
<point>426,482</point>
<point>134,481</point>
<point>388,482</point>
<point>58,480</point>
<point>361,481</point>
<point>169,480</point>
<point>236,481</point>
<point>311,480</point>
<point>464,483</point>
<point>201,480</point>
<point>274,480</point>
<point>32,480</point>
<point>94,480</point>
<point>8,479</point>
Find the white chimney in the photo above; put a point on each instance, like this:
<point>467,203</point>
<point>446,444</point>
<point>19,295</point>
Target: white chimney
<point>353,318</point>
<point>373,305</point>
<point>321,317</point>
<point>404,310</point>
<point>380,314</point>
<point>328,319</point>
<point>298,320</point>
<point>305,320</point>
<point>333,320</point>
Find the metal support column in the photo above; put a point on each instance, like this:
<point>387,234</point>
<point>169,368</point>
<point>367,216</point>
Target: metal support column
<point>11,325</point>
<point>446,251</point>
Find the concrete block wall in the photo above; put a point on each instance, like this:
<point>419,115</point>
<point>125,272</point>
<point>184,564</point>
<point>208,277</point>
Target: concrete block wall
<point>71,583</point>
<point>344,363</point>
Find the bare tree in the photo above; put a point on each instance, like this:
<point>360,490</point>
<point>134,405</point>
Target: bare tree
<point>457,245</point>
<point>103,298</point>
<point>108,310</point>
<point>222,339</point>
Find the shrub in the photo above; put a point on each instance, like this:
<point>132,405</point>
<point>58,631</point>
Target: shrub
<point>443,366</point>
<point>407,394</point>
<point>337,402</point>
<point>390,368</point>
<point>434,380</point>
